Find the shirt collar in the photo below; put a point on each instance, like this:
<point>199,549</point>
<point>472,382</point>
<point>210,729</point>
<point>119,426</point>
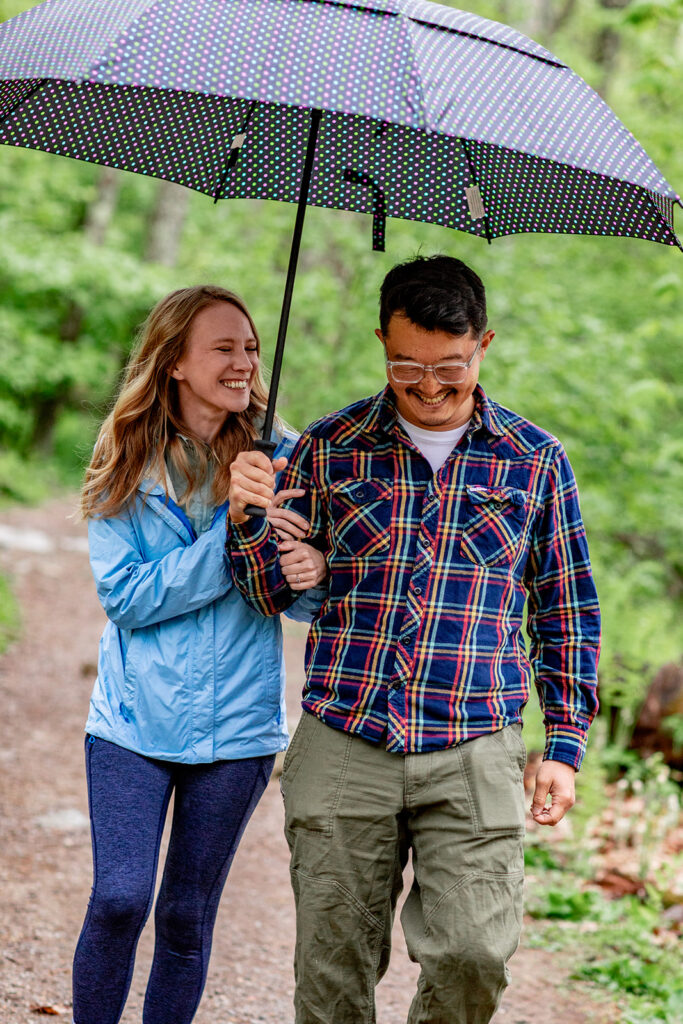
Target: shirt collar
<point>382,414</point>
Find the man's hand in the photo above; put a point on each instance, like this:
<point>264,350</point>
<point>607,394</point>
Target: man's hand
<point>302,566</point>
<point>252,482</point>
<point>286,523</point>
<point>557,779</point>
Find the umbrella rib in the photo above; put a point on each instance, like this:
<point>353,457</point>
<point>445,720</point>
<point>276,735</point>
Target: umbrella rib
<point>492,42</point>
<point>474,184</point>
<point>442,28</point>
<point>235,149</point>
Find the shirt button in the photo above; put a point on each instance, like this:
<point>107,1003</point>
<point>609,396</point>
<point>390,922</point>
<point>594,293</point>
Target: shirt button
<point>417,590</point>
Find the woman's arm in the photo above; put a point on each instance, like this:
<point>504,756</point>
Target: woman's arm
<point>136,593</point>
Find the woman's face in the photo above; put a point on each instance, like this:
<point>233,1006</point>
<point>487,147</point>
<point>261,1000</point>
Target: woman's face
<point>216,371</point>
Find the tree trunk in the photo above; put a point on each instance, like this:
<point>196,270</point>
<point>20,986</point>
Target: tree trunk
<point>607,47</point>
<point>546,18</point>
<point>166,223</point>
<point>101,210</point>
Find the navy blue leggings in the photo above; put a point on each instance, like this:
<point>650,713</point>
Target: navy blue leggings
<point>129,797</point>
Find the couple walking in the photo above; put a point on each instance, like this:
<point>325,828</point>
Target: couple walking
<point>410,529</point>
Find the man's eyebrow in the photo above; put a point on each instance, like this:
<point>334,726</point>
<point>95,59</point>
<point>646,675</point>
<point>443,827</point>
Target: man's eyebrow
<point>399,357</point>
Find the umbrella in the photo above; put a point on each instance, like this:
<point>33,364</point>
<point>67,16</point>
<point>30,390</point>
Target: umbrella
<point>395,108</point>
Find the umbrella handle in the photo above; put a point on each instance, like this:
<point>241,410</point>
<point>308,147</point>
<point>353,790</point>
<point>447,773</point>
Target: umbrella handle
<point>268,448</point>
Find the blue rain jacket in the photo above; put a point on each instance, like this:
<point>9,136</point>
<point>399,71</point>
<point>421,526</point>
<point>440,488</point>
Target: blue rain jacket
<point>187,671</point>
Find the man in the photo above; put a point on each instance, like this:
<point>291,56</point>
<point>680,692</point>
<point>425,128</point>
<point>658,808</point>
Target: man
<point>439,513</point>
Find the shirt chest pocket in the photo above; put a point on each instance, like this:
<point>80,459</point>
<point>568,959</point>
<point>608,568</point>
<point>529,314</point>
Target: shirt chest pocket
<point>360,515</point>
<point>494,528</point>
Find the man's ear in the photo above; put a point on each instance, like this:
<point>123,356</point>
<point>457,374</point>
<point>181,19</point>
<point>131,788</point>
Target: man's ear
<point>486,341</point>
<point>379,334</point>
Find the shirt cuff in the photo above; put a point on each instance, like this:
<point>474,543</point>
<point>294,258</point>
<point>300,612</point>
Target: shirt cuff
<point>565,743</point>
<point>251,531</point>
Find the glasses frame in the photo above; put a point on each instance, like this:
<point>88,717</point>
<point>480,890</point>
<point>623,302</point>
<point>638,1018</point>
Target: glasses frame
<point>391,363</point>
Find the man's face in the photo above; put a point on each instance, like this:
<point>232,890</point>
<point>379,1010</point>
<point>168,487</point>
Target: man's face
<point>429,404</point>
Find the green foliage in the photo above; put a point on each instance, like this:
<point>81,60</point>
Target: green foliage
<point>587,329</point>
<point>9,615</point>
<point>674,725</point>
<point>619,945</point>
<point>566,905</point>
<point>537,856</point>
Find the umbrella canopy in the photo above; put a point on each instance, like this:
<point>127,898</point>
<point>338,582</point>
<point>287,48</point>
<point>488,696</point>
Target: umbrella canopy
<point>398,108</point>
<point>430,113</point>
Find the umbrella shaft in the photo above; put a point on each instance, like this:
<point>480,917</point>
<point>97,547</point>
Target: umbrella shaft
<point>291,273</point>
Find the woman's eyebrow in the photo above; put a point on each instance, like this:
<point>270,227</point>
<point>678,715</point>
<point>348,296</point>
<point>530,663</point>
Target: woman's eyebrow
<point>233,341</point>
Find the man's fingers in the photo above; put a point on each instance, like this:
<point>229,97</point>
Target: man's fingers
<point>540,796</point>
<point>556,779</point>
<point>287,523</point>
<point>252,482</point>
<point>257,460</point>
<point>292,492</point>
<point>551,815</point>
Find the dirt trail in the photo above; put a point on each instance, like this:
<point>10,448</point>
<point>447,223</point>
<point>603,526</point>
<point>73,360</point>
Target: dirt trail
<point>45,870</point>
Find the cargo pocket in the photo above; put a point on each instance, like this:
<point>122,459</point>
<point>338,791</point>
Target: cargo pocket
<point>493,531</point>
<point>361,516</point>
<point>493,773</point>
<point>313,780</point>
<point>296,751</point>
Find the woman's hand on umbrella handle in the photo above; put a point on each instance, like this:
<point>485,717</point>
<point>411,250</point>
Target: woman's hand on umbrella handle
<point>303,566</point>
<point>286,522</point>
<point>252,482</point>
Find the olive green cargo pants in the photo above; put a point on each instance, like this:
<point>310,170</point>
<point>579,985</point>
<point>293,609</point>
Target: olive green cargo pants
<point>353,812</point>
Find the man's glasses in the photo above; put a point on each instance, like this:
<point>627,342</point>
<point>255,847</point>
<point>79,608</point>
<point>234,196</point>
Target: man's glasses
<point>403,372</point>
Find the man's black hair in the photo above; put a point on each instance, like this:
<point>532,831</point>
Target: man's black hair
<point>437,293</point>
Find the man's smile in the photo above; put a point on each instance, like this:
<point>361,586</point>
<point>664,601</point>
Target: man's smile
<point>432,400</point>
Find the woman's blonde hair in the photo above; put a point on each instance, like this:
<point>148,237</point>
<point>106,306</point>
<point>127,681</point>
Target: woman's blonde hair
<point>145,421</point>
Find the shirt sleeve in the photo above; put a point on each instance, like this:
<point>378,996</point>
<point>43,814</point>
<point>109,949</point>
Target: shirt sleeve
<point>563,618</point>
<point>137,592</point>
<point>253,550</point>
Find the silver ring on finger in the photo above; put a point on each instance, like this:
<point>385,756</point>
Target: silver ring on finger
<point>298,577</point>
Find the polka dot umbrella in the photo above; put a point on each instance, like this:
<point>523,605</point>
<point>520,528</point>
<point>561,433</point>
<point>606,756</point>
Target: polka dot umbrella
<point>396,108</point>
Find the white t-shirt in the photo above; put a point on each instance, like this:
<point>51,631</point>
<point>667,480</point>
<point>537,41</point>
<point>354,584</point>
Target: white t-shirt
<point>435,445</point>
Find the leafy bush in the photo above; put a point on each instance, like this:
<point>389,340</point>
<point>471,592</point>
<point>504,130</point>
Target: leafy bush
<point>9,615</point>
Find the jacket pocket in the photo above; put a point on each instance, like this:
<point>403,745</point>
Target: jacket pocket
<point>130,675</point>
<point>360,511</point>
<point>493,531</point>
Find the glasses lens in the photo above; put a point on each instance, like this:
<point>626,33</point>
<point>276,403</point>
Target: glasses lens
<point>450,373</point>
<point>406,373</point>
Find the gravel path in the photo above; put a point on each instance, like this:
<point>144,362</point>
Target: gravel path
<point>45,870</point>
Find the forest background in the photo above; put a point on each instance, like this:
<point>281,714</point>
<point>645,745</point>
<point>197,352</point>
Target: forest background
<point>588,344</point>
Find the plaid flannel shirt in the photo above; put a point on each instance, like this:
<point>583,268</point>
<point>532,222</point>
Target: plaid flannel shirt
<point>419,643</point>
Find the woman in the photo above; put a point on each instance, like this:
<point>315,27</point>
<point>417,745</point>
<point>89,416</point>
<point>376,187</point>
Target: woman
<point>189,693</point>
